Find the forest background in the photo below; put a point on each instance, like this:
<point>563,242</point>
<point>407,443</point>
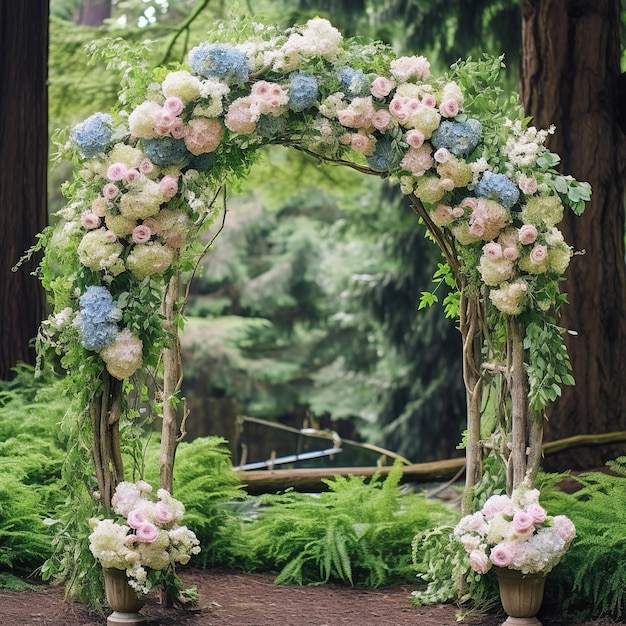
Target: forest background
<point>308,310</point>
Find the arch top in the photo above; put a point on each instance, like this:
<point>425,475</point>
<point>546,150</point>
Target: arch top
<point>147,173</point>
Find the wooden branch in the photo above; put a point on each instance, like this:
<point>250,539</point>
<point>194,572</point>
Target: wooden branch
<point>310,480</point>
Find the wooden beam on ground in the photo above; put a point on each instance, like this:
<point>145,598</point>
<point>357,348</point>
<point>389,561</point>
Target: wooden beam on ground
<point>310,479</point>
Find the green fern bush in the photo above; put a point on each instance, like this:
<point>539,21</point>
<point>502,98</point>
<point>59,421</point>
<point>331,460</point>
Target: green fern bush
<point>358,532</point>
<point>591,577</point>
<point>31,457</point>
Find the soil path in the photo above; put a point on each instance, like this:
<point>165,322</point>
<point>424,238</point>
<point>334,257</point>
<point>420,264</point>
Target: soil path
<point>235,599</point>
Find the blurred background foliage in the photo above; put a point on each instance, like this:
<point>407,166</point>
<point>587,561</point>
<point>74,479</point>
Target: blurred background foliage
<point>306,309</point>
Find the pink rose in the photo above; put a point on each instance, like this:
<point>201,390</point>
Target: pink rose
<point>442,155</point>
<point>136,519</point>
<point>428,100</point>
<point>446,184</point>
<point>470,203</point>
<point>153,225</point>
<point>527,234</point>
<point>110,191</point>
<point>169,186</point>
<point>362,143</point>
<point>501,555</point>
<point>449,108</point>
<point>110,236</point>
<point>174,105</point>
<point>148,533</point>
<point>522,522</point>
<point>492,250</point>
<point>415,138</point>
<point>132,176</point>
<point>163,513</point>
<point>130,539</point>
<point>527,185</point>
<point>117,171</point>
<point>177,129</point>
<point>510,253</point>
<point>479,561</point>
<point>537,512</point>
<point>538,254</point>
<point>146,166</point>
<point>141,234</point>
<point>381,119</point>
<point>89,220</point>
<point>381,87</point>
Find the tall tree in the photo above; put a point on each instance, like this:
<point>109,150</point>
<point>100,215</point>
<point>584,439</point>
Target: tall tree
<point>23,154</point>
<point>569,76</point>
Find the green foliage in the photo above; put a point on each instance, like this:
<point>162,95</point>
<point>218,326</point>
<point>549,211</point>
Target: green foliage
<point>358,532</point>
<point>204,481</point>
<point>31,456</point>
<point>591,577</point>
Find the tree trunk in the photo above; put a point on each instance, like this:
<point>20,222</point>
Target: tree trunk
<point>24,155</point>
<point>569,77</point>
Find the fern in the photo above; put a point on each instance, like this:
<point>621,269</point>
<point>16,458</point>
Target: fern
<point>358,532</point>
<point>591,578</point>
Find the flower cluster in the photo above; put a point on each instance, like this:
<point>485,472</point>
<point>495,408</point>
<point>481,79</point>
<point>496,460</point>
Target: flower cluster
<point>516,533</point>
<point>145,167</point>
<point>146,539</point>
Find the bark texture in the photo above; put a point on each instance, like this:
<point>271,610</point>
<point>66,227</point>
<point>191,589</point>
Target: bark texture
<point>570,76</point>
<point>23,154</point>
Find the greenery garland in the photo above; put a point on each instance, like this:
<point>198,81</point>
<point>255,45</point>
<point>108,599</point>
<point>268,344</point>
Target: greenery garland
<point>148,172</point>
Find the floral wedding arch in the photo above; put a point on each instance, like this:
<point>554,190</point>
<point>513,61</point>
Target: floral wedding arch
<point>148,175</point>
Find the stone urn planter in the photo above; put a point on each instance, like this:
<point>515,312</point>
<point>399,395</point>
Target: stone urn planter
<point>122,598</point>
<point>521,596</point>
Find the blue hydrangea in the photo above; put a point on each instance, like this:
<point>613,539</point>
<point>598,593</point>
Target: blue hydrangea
<point>460,138</point>
<point>498,187</point>
<point>93,136</point>
<point>96,336</point>
<point>96,304</point>
<point>166,151</point>
<point>303,91</point>
<point>98,315</point>
<point>221,61</point>
<point>385,155</point>
<point>354,81</point>
<point>270,126</point>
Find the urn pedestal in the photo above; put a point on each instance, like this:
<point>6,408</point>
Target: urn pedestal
<point>122,598</point>
<point>521,596</point>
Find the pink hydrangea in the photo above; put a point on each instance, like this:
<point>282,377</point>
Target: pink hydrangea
<point>203,135</point>
<point>240,118</point>
<point>417,160</point>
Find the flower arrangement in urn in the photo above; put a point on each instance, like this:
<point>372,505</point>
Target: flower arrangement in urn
<point>147,540</point>
<point>515,532</point>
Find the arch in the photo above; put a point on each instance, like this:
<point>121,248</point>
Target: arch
<point>149,172</point>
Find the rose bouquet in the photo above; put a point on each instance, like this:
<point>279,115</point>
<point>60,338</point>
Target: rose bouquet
<point>146,540</point>
<point>515,532</point>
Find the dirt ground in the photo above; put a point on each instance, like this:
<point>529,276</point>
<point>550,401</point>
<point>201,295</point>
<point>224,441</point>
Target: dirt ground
<point>235,599</point>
